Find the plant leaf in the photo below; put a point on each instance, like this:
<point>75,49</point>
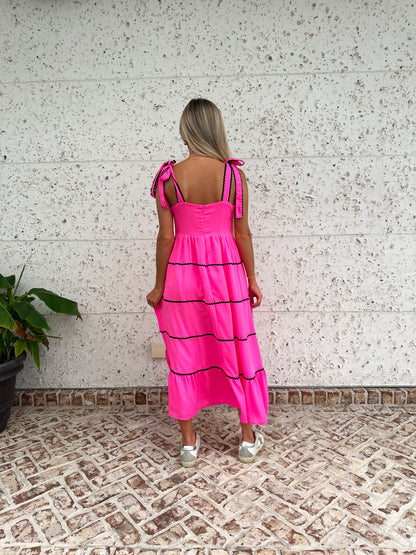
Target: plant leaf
<point>7,282</point>
<point>19,346</point>
<point>56,302</point>
<point>6,321</point>
<point>22,333</point>
<point>29,313</point>
<point>34,349</point>
<point>39,336</point>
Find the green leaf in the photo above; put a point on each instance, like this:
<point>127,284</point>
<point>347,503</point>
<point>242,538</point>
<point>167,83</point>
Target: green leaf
<point>27,312</point>
<point>6,321</point>
<point>19,346</point>
<point>33,347</point>
<point>7,282</point>
<point>39,335</point>
<point>55,302</point>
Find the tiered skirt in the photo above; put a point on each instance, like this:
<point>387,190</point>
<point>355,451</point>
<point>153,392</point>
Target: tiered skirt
<point>206,321</point>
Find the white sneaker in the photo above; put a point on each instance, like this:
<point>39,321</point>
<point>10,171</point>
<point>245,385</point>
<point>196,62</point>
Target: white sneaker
<point>189,453</point>
<point>248,451</point>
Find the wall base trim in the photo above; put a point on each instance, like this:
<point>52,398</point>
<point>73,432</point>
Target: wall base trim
<point>155,396</point>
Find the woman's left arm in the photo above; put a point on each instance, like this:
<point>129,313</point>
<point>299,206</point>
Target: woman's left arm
<point>164,246</point>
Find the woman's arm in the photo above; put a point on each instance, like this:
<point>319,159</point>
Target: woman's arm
<point>164,246</point>
<point>243,233</point>
<point>245,246</point>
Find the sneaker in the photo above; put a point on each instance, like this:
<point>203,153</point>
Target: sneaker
<point>248,451</point>
<point>189,453</point>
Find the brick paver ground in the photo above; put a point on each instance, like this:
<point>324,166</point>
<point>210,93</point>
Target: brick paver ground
<point>103,480</point>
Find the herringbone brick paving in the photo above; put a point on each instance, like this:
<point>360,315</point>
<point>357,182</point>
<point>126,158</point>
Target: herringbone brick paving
<point>96,480</point>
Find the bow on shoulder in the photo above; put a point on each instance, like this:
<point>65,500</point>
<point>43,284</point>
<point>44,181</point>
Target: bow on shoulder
<point>164,172</point>
<point>234,162</point>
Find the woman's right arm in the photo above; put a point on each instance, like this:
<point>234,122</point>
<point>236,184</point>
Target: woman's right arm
<point>245,246</point>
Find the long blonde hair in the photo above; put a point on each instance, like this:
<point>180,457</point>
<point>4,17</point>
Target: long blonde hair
<point>202,127</point>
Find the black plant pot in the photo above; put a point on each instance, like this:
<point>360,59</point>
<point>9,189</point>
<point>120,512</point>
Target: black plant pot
<point>8,372</point>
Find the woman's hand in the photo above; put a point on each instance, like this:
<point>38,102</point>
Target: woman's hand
<point>154,296</point>
<point>254,291</point>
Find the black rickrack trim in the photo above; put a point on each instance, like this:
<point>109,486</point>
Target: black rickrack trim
<point>198,264</point>
<point>231,184</point>
<point>213,334</point>
<point>242,196</point>
<point>176,192</point>
<point>177,185</point>
<point>219,368</point>
<point>202,301</point>
<point>223,182</point>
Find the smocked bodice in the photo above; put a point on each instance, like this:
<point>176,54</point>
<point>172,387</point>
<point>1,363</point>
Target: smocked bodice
<point>202,219</point>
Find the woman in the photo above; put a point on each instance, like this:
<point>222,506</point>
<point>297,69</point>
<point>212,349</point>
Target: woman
<point>203,299</point>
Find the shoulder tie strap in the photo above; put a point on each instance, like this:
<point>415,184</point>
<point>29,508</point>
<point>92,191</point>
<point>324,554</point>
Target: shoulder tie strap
<point>164,172</point>
<point>234,162</point>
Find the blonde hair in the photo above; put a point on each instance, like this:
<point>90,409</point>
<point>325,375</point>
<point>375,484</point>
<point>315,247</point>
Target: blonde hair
<point>202,127</point>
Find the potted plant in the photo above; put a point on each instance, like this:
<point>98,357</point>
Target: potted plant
<point>22,328</point>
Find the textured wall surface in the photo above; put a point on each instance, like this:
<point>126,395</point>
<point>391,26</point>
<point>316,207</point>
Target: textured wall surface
<point>317,98</point>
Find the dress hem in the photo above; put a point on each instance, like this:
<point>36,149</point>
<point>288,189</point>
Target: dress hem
<point>214,405</point>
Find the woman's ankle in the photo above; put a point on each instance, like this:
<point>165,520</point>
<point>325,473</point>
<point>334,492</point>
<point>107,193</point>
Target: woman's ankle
<point>189,441</point>
<point>249,438</point>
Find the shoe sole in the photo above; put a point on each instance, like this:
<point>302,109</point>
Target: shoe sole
<point>188,464</point>
<point>248,459</point>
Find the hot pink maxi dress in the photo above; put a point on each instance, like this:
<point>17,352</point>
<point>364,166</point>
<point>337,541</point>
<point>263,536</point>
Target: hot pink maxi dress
<point>205,316</point>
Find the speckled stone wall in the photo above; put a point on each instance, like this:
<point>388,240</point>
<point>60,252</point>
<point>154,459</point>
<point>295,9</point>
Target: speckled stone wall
<point>318,99</point>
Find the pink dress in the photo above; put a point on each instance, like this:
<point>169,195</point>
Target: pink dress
<point>205,316</point>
